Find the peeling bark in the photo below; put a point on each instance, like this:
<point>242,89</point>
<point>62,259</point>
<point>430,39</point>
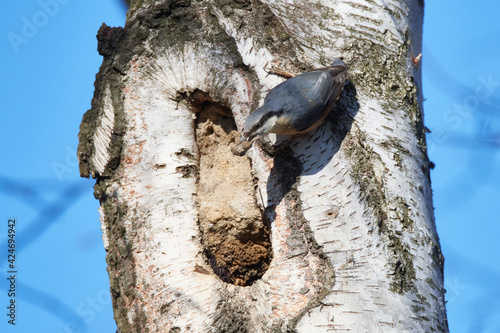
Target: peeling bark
<point>334,232</point>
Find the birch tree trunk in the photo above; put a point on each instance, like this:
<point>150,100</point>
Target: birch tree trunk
<point>333,233</point>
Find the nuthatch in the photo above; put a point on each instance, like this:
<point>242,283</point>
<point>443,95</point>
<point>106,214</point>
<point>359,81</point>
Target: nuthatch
<point>299,104</point>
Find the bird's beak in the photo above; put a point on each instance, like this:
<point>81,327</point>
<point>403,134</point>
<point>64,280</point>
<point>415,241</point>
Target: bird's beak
<point>246,137</point>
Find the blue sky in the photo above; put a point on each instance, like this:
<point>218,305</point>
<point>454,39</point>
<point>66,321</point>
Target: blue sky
<point>461,72</point>
<point>47,85</point>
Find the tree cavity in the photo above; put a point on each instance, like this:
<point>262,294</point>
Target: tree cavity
<point>235,236</point>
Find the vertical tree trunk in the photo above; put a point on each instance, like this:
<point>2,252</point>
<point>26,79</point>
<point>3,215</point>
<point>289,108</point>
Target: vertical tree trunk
<point>334,232</point>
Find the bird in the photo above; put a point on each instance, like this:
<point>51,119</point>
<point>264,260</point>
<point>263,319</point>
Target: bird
<point>299,104</point>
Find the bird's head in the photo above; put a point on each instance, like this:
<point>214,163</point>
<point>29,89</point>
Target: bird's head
<point>259,123</point>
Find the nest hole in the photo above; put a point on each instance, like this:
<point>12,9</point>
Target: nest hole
<point>236,237</point>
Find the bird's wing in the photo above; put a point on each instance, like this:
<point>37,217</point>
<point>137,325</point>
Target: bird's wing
<point>323,87</point>
<point>308,97</point>
<point>325,82</point>
<point>329,83</point>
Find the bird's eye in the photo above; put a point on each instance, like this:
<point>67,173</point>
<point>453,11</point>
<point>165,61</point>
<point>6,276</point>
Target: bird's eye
<point>256,126</point>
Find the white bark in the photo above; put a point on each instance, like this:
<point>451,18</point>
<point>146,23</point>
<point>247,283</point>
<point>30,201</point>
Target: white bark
<point>354,245</point>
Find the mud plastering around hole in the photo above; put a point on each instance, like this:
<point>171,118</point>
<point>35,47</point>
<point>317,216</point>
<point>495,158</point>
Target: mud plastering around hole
<point>235,236</point>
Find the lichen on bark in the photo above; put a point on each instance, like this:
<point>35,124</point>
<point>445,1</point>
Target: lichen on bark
<point>366,172</point>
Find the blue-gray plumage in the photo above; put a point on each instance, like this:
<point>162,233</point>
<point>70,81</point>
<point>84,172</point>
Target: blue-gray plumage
<point>299,104</point>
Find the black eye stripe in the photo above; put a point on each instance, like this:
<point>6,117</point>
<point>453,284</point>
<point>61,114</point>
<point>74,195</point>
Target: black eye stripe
<point>264,118</point>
